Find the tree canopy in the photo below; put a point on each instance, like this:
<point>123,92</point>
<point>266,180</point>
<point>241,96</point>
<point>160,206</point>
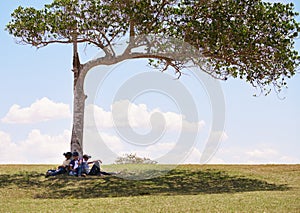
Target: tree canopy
<point>247,39</point>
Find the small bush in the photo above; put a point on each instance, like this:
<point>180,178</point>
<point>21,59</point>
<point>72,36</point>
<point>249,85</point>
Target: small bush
<point>134,159</point>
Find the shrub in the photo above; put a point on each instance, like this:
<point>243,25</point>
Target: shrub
<point>134,159</point>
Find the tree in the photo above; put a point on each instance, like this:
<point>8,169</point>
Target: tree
<point>247,39</point>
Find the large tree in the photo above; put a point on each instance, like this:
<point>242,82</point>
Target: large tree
<point>247,39</point>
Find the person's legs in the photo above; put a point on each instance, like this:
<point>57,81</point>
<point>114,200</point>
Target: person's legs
<point>79,170</point>
<point>52,172</point>
<point>73,173</point>
<point>49,172</point>
<point>85,168</point>
<point>95,170</point>
<point>97,163</point>
<point>60,171</point>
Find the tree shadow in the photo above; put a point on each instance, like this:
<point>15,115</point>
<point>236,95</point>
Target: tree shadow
<point>21,179</point>
<point>175,182</point>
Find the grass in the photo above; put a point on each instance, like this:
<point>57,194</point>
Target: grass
<point>186,188</point>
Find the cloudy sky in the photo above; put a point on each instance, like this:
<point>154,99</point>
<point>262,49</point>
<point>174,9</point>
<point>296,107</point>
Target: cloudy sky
<point>36,110</point>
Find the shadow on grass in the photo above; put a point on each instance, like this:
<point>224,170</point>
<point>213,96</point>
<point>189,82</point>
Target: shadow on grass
<point>175,182</point>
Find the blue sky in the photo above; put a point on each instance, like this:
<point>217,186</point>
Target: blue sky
<point>36,107</point>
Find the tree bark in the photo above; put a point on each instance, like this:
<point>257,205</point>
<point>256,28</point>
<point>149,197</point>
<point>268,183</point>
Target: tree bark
<point>78,102</point>
<point>78,117</point>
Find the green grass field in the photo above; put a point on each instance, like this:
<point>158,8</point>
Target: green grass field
<point>186,188</point>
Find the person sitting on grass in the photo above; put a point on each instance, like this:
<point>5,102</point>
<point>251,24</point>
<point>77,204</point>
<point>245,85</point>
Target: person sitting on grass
<point>74,164</point>
<point>84,168</point>
<point>62,169</point>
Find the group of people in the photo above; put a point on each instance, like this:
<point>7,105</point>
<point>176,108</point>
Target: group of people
<point>76,166</point>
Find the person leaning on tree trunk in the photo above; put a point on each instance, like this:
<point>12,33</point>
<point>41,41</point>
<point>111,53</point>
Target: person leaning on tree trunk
<point>62,169</point>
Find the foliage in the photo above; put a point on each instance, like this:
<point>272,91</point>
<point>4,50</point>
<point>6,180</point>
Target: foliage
<point>134,159</point>
<point>252,40</point>
<point>247,39</point>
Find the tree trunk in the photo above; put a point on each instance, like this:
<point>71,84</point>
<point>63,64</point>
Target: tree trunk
<point>78,102</point>
<point>78,117</point>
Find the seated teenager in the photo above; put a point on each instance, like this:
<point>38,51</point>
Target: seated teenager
<point>74,164</point>
<point>62,168</point>
<point>85,170</point>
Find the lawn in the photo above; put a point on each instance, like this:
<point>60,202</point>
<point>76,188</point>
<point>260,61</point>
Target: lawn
<point>186,188</point>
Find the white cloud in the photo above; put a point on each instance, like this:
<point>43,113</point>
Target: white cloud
<point>102,145</point>
<point>45,148</point>
<point>4,139</point>
<point>289,159</point>
<point>36,148</point>
<point>9,151</point>
<point>219,136</point>
<point>161,150</point>
<point>224,136</point>
<point>113,142</point>
<point>154,151</point>
<point>102,118</point>
<point>268,155</point>
<point>119,148</point>
<point>157,150</point>
<point>261,154</point>
<point>195,156</point>
<point>138,117</point>
<point>40,111</point>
